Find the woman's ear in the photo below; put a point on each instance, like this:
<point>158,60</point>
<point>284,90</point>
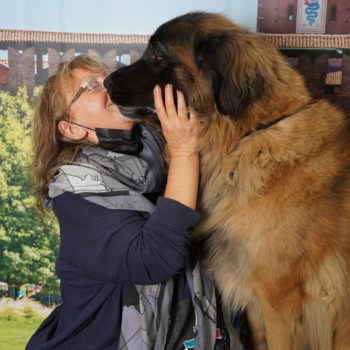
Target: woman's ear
<point>72,131</point>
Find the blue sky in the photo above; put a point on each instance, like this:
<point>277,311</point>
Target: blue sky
<point>114,16</point>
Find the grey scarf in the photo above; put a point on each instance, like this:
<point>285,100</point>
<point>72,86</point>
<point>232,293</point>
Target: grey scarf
<point>119,181</point>
<point>114,180</point>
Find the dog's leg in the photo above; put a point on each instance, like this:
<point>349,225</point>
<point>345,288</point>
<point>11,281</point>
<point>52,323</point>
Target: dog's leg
<point>276,335</point>
<point>256,331</point>
<point>282,315</point>
<point>342,339</point>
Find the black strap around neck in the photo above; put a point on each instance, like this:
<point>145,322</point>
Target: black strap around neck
<point>262,126</point>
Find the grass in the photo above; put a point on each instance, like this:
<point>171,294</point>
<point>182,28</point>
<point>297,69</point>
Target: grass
<point>18,321</point>
<point>15,333</point>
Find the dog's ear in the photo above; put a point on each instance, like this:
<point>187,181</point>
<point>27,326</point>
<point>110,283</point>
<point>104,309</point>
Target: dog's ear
<point>235,69</point>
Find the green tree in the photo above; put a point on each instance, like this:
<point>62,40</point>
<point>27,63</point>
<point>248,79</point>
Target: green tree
<point>28,248</point>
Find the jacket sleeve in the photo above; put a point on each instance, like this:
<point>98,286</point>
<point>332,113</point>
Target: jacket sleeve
<point>120,245</point>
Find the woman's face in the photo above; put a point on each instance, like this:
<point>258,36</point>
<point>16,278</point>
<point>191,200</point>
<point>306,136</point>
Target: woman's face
<point>93,109</point>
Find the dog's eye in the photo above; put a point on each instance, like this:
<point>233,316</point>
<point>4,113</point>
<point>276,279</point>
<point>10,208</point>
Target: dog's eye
<point>157,58</point>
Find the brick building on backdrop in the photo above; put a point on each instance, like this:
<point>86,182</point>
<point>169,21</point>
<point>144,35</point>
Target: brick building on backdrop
<point>279,16</point>
<point>4,72</point>
<point>33,56</point>
<point>314,36</point>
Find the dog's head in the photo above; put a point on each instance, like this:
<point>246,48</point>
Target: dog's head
<point>215,63</point>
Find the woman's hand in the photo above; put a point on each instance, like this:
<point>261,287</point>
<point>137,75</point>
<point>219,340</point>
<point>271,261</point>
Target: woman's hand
<point>181,134</point>
<point>180,129</point>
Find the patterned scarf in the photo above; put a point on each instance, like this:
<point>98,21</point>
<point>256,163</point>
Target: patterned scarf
<point>119,181</point>
<point>114,180</point>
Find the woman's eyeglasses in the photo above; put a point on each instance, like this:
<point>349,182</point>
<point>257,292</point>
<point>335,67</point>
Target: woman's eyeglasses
<point>92,84</point>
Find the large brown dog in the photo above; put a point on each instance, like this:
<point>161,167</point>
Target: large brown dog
<point>275,181</point>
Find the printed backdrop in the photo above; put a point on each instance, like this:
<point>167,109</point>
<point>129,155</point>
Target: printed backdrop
<point>36,36</point>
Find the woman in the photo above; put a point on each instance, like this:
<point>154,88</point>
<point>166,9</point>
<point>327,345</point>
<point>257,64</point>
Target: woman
<point>126,277</point>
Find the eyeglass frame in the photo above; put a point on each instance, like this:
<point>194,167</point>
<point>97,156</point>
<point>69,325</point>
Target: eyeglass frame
<point>82,88</point>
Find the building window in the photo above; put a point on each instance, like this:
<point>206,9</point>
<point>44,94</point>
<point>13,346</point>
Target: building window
<point>333,14</point>
<point>290,13</point>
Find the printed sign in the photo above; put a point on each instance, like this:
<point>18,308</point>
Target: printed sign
<point>311,16</point>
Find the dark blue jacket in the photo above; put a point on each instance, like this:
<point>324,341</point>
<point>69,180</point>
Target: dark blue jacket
<point>102,252</point>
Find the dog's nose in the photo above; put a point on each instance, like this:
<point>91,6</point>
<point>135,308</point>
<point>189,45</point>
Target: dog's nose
<point>107,82</point>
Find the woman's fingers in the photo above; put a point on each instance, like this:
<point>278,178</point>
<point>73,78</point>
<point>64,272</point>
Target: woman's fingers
<point>158,103</point>
<point>181,106</point>
<point>170,109</point>
<point>179,129</point>
<point>173,115</point>
<point>169,101</point>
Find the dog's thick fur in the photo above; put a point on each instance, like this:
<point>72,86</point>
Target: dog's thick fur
<point>275,200</point>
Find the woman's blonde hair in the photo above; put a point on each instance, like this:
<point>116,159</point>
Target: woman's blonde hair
<point>51,148</point>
